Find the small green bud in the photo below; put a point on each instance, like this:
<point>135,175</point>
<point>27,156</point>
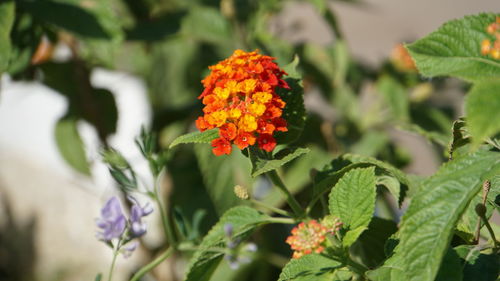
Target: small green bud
<point>480,210</point>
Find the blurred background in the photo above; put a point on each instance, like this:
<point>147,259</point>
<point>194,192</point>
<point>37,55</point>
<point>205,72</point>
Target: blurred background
<point>88,74</point>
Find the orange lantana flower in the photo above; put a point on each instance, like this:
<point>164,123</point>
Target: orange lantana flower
<point>310,237</point>
<point>489,48</point>
<point>240,99</point>
<point>307,238</point>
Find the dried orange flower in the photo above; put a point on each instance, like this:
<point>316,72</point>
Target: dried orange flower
<point>240,99</point>
<point>402,59</point>
<point>487,48</point>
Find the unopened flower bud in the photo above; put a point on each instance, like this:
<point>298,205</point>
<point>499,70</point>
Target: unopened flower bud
<point>227,8</point>
<point>486,186</point>
<point>480,210</point>
<point>332,223</point>
<point>241,192</point>
<point>228,229</point>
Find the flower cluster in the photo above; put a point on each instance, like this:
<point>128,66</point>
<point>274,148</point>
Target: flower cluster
<point>114,225</point>
<point>310,237</point>
<point>493,50</point>
<point>240,99</point>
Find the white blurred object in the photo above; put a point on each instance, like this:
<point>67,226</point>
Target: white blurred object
<point>39,183</point>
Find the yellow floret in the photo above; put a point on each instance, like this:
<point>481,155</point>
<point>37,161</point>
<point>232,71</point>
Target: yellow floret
<point>248,123</point>
<point>257,109</point>
<point>232,86</point>
<point>247,86</point>
<point>262,97</point>
<point>217,118</point>
<point>235,113</point>
<point>222,93</point>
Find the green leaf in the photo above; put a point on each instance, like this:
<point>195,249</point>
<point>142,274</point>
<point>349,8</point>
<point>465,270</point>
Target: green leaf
<point>312,267</point>
<point>383,168</point>
<point>329,177</point>
<point>98,277</point>
<point>196,137</point>
<point>482,110</point>
<point>176,58</point>
<point>7,12</point>
<point>428,224</point>
<point>158,28</point>
<point>370,246</point>
<point>294,112</point>
<point>460,137</point>
<point>204,261</point>
<point>220,175</point>
<point>469,253</point>
<point>94,22</point>
<point>353,201</point>
<point>455,50</point>
<point>70,145</point>
<point>261,166</point>
<point>207,24</point>
<point>74,15</point>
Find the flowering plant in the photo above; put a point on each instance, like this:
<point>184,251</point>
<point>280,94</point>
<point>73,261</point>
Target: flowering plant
<point>298,161</point>
<point>245,97</point>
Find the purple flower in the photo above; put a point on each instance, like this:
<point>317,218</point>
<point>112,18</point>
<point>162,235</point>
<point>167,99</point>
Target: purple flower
<point>128,249</point>
<point>228,229</point>
<point>137,227</point>
<point>112,221</point>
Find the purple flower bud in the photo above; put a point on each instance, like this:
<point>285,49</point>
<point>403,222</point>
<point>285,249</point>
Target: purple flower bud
<point>128,249</point>
<point>112,221</point>
<point>232,261</point>
<point>235,261</point>
<point>228,229</point>
<point>251,247</point>
<point>143,211</point>
<point>137,227</point>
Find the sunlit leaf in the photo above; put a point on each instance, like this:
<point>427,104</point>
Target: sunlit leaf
<point>353,201</point>
<point>455,50</point>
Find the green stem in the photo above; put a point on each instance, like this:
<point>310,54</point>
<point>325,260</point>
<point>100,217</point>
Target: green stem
<point>297,209</point>
<point>275,259</point>
<point>167,227</point>
<point>112,267</point>
<point>281,220</point>
<point>324,205</point>
<point>274,209</point>
<point>145,269</point>
<point>490,230</point>
<point>184,247</point>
